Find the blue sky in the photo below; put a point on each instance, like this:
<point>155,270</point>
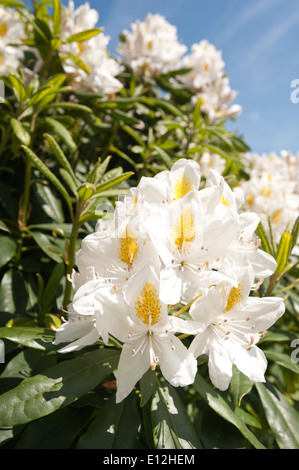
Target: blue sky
<point>259,41</point>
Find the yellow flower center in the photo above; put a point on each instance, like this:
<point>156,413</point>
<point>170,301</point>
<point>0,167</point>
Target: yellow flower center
<point>3,29</point>
<point>1,59</point>
<point>128,249</point>
<point>234,298</point>
<point>81,47</point>
<point>184,230</point>
<point>181,187</point>
<point>225,201</point>
<point>276,216</point>
<point>148,306</point>
<point>250,199</point>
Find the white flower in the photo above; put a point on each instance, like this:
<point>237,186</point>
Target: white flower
<point>151,46</point>
<point>11,32</point>
<point>119,252</point>
<point>139,319</point>
<point>92,52</point>
<point>84,323</point>
<point>231,323</point>
<point>209,82</point>
<point>188,242</point>
<point>272,189</point>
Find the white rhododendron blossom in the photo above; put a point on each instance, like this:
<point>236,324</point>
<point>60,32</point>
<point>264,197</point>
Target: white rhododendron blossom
<point>152,46</point>
<point>272,190</point>
<point>231,325</point>
<point>99,71</point>
<point>174,244</point>
<point>208,81</point>
<point>11,32</point>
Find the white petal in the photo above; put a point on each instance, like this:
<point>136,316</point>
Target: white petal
<point>220,366</point>
<point>171,285</point>
<point>131,368</point>
<point>263,312</point>
<point>251,362</point>
<point>262,262</point>
<point>177,364</point>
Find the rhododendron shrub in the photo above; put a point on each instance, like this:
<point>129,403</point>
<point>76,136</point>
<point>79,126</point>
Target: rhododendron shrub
<point>149,261</point>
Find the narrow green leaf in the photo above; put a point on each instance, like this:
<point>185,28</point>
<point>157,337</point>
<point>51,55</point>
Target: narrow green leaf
<point>60,130</point>
<point>84,35</point>
<point>59,154</point>
<point>133,134</point>
<point>98,170</point>
<point>294,233</point>
<point>56,387</point>
<point>115,427</point>
<point>48,174</point>
<point>283,252</point>
<point>18,87</point>
<point>218,404</point>
<point>20,131</point>
<point>51,289</point>
<point>164,156</point>
<point>56,17</point>
<point>261,232</point>
<point>68,180</point>
<point>282,359</point>
<point>70,106</point>
<point>172,427</point>
<point>78,62</point>
<point>49,203</point>
<point>282,417</point>
<point>114,181</point>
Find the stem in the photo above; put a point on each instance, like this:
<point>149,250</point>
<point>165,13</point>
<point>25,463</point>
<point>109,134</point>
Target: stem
<point>71,255</point>
<point>24,205</point>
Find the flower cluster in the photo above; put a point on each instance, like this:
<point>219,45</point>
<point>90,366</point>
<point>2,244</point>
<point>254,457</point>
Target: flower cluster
<point>208,81</point>
<point>99,71</point>
<point>272,190</point>
<point>152,46</point>
<point>11,33</point>
<point>174,247</point>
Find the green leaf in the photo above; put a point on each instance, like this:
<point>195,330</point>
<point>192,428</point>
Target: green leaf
<point>56,431</point>
<point>98,170</point>
<point>56,17</point>
<point>56,387</point>
<point>36,338</point>
<point>13,292</point>
<point>48,174</point>
<point>240,385</point>
<point>294,233</point>
<point>84,35</point>
<point>8,249</point>
<point>261,232</point>
<point>78,62</point>
<point>218,404</point>
<point>70,106</point>
<point>164,156</point>
<point>172,427</point>
<point>49,203</point>
<point>20,131</point>
<point>147,386</point>
<point>18,87</point>
<point>114,181</point>
<point>116,426</point>
<point>47,246</point>
<point>282,359</point>
<point>59,130</point>
<point>51,289</point>
<point>133,134</point>
<point>283,252</point>
<point>62,159</point>
<point>282,417</point>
